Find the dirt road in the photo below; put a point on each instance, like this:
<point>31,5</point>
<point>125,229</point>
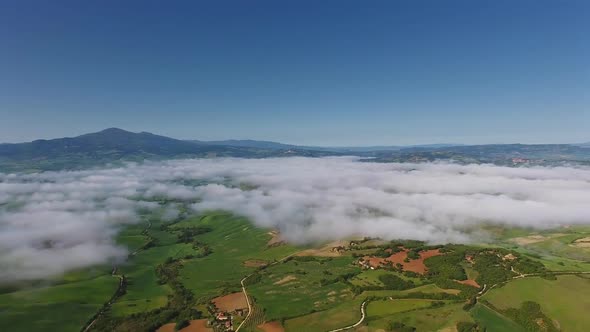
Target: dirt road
<point>363,314</point>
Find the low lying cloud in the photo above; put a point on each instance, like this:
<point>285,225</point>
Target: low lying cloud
<point>56,221</point>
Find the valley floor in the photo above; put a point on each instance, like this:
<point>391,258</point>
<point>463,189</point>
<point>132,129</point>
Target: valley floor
<point>217,272</point>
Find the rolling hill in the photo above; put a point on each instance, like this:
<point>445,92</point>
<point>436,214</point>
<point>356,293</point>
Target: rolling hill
<point>115,145</point>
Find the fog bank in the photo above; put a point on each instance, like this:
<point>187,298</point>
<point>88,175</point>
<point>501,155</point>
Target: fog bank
<point>56,221</point>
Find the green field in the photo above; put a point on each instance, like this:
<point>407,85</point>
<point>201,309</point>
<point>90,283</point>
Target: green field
<point>424,319</point>
<point>294,288</point>
<point>340,315</point>
<point>371,278</point>
<point>233,241</point>
<point>564,300</point>
<point>65,307</point>
<point>384,308</point>
<point>494,321</point>
<point>555,245</point>
<point>306,293</point>
<point>430,288</point>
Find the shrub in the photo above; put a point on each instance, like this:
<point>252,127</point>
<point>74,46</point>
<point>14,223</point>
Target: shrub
<point>467,327</point>
<point>394,282</point>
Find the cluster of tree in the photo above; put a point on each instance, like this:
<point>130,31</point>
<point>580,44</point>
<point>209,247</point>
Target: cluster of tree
<point>413,254</point>
<point>188,234</point>
<point>341,278</point>
<point>181,323</point>
<point>168,271</point>
<point>467,327</point>
<point>470,304</point>
<point>530,316</point>
<point>492,268</point>
<point>180,306</point>
<point>437,304</point>
<point>412,274</point>
<point>466,291</point>
<point>320,260</point>
<point>390,282</point>
<point>202,249</point>
<point>432,296</point>
<point>385,252</point>
<point>447,266</point>
<point>408,244</point>
<point>394,282</point>
<point>253,279</point>
<point>526,265</point>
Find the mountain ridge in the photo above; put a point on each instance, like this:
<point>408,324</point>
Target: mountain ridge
<point>115,145</point>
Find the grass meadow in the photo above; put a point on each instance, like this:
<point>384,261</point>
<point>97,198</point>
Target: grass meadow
<point>565,300</point>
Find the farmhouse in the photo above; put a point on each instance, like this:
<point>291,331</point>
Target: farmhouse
<point>222,316</point>
<point>509,257</point>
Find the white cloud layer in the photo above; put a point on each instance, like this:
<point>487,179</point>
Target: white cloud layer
<point>56,221</point>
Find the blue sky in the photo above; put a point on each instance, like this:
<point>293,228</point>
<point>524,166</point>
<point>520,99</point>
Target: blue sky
<point>306,72</point>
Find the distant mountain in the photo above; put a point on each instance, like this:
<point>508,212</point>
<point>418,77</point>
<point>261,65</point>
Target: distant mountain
<point>116,145</point>
<point>500,154</point>
<point>335,149</point>
<point>112,140</point>
<point>109,142</point>
<point>248,143</point>
<point>583,145</point>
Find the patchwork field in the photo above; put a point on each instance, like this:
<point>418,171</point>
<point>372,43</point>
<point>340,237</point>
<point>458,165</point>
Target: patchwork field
<point>371,278</point>
<point>564,300</point>
<point>187,271</point>
<point>339,315</point>
<point>233,241</point>
<point>413,265</point>
<point>430,288</point>
<point>300,286</point>
<point>435,319</point>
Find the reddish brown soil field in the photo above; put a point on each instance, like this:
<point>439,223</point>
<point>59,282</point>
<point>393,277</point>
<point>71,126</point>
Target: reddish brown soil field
<point>271,327</point>
<point>415,265</point>
<point>198,325</point>
<point>468,282</point>
<point>231,302</point>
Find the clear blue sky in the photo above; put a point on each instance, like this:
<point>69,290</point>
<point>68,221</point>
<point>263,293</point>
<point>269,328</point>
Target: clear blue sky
<point>308,72</point>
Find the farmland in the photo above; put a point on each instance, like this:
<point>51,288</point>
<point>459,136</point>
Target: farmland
<point>188,271</point>
<point>562,299</point>
<point>64,307</point>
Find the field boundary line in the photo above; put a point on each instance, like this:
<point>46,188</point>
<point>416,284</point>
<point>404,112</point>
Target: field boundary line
<point>363,314</point>
<point>246,293</point>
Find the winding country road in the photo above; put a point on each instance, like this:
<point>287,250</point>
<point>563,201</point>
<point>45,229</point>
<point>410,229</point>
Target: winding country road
<point>246,293</point>
<point>363,314</point>
<point>528,275</point>
<point>247,300</point>
<point>480,294</point>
